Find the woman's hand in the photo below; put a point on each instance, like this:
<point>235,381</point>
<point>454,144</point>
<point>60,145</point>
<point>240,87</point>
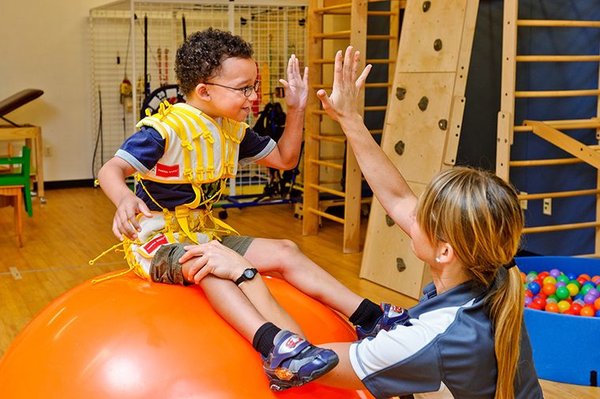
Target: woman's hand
<point>296,87</point>
<point>342,103</point>
<point>212,258</point>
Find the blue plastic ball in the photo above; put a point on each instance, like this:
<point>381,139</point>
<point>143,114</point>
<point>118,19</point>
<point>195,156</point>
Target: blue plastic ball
<point>534,287</point>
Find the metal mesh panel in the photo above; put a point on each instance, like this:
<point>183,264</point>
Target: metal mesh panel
<point>120,51</point>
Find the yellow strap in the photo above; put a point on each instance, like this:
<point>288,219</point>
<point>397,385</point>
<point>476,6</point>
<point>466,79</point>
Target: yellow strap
<point>181,214</point>
<point>139,179</point>
<point>198,198</point>
<point>133,264</point>
<point>124,272</point>
<point>219,223</point>
<point>207,203</point>
<point>207,135</point>
<point>231,150</point>
<point>177,125</point>
<point>113,248</point>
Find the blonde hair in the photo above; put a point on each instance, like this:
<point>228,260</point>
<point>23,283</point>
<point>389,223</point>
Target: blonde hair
<point>478,214</point>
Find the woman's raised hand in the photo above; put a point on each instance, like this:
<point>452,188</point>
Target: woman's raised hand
<point>342,102</point>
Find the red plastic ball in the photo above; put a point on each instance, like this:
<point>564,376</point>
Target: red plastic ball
<point>540,301</point>
<point>128,338</point>
<point>543,275</point>
<point>581,280</point>
<point>575,308</point>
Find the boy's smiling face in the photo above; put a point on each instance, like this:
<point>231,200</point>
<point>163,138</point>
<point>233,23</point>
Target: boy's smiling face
<point>236,73</point>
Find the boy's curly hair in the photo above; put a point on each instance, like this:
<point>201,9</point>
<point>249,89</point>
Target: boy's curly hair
<point>199,58</point>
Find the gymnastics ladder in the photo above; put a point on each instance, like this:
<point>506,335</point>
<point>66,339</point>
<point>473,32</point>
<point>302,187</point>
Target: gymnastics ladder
<point>422,127</point>
<point>549,130</point>
<point>321,131</point>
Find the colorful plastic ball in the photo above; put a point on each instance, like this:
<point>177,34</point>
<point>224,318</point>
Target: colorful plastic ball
<point>585,288</point>
<point>597,303</point>
<point>585,276</point>
<point>596,279</point>
<point>551,299</point>
<point>549,289</point>
<point>528,293</point>
<point>587,311</point>
<point>562,278</point>
<point>128,338</point>
<point>578,297</point>
<point>563,306</point>
<point>543,275</point>
<point>534,287</point>
<point>573,289</point>
<point>552,307</point>
<point>528,301</point>
<point>581,280</point>
<point>562,293</point>
<point>577,283</point>
<point>549,280</point>
<point>555,273</point>
<point>589,298</point>
<point>594,292</point>
<point>572,276</point>
<point>540,302</point>
<point>560,284</point>
<point>531,276</point>
<point>575,308</point>
<point>597,314</point>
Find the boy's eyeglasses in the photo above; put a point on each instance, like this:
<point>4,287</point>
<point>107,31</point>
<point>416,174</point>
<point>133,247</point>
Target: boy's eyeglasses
<point>246,91</point>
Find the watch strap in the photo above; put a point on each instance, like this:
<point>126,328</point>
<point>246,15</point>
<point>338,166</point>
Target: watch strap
<point>243,277</point>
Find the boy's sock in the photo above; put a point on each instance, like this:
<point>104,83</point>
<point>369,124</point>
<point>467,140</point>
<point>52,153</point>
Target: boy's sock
<point>366,315</point>
<point>264,337</point>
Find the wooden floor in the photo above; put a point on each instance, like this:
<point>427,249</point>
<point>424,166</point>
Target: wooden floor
<point>74,227</point>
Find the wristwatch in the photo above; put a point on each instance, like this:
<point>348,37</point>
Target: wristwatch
<point>248,274</point>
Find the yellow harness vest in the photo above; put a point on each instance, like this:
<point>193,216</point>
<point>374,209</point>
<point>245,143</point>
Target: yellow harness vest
<point>197,151</point>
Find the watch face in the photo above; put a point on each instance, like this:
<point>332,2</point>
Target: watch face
<point>249,273</point>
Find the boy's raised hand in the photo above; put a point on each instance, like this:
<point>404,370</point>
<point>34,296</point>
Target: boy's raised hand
<point>296,86</point>
<point>346,87</point>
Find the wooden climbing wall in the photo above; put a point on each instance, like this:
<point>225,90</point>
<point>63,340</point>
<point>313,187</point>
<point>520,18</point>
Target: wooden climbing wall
<point>422,127</point>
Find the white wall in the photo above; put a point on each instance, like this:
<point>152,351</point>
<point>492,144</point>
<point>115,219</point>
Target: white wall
<point>46,45</point>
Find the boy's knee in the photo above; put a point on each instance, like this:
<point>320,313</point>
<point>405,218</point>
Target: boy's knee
<point>165,267</point>
<point>288,250</point>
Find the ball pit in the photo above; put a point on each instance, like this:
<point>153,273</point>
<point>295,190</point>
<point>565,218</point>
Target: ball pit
<point>563,318</point>
<point>581,294</point>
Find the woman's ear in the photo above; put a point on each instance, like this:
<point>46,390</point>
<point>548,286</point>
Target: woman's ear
<point>444,253</point>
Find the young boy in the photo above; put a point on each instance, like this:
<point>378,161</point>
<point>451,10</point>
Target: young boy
<point>182,158</point>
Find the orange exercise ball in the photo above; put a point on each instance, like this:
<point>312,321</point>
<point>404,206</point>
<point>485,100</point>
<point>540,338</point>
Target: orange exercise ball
<point>128,338</point>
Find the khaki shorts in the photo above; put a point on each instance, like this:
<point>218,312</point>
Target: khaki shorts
<point>165,267</point>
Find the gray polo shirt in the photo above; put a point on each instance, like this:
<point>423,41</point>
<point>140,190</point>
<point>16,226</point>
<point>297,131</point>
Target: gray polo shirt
<point>446,345</point>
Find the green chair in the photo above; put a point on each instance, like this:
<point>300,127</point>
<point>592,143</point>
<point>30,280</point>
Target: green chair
<point>19,179</point>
